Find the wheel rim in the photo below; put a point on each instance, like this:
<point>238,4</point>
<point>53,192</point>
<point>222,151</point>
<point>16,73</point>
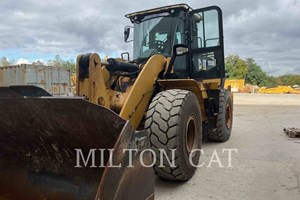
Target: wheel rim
<point>191,131</point>
<point>228,116</point>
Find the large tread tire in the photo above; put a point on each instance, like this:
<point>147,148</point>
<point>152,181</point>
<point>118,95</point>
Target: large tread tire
<point>223,130</point>
<point>167,121</point>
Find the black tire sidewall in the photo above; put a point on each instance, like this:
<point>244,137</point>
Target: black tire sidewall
<point>190,107</point>
<point>166,121</point>
<point>227,131</point>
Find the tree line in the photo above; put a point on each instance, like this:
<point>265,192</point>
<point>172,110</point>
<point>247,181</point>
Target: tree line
<point>56,61</point>
<point>236,68</point>
<point>251,72</point>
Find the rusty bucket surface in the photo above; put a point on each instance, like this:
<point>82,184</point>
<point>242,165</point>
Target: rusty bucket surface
<point>38,138</point>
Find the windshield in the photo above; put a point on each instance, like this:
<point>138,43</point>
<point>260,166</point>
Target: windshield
<point>153,36</point>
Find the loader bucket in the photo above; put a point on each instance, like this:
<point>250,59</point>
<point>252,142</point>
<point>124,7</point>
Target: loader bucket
<point>50,148</point>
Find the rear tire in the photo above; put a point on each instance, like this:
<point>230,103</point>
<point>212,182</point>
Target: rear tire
<point>224,120</point>
<point>173,121</point>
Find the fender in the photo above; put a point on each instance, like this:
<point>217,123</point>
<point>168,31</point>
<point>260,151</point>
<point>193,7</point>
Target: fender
<point>187,84</point>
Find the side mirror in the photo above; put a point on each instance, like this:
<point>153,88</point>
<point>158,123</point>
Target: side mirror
<point>126,33</point>
<point>180,49</point>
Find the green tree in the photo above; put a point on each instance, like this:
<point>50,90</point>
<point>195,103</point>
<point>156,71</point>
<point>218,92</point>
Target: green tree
<point>255,75</point>
<point>235,67</point>
<point>4,61</point>
<point>38,62</point>
<point>70,64</point>
<point>272,81</point>
<point>288,80</point>
<point>59,62</point>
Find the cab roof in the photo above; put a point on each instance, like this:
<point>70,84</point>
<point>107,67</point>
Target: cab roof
<point>183,7</point>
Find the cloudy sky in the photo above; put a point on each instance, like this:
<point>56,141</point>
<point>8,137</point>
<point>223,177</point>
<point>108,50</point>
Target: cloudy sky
<point>30,30</point>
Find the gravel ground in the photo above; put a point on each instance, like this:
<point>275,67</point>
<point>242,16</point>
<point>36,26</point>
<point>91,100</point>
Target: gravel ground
<point>266,165</point>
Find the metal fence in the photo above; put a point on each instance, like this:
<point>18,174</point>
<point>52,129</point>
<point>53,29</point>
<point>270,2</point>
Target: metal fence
<point>55,80</point>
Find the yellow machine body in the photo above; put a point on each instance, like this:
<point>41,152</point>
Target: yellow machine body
<point>132,102</point>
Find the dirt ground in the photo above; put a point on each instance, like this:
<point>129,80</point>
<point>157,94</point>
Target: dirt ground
<point>266,165</point>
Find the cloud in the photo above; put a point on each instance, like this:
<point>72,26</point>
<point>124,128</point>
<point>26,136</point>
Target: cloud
<point>22,61</point>
<point>264,30</point>
<point>271,38</point>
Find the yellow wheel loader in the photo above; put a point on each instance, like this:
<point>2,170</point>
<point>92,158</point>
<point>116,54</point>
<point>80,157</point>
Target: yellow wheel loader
<point>159,103</point>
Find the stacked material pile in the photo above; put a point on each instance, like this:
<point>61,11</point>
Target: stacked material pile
<point>278,90</point>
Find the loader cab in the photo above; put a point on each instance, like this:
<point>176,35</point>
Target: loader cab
<point>156,31</point>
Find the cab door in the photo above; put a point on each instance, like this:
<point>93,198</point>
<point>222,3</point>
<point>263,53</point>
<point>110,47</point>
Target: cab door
<point>207,45</point>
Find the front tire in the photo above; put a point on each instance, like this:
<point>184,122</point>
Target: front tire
<point>173,121</point>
